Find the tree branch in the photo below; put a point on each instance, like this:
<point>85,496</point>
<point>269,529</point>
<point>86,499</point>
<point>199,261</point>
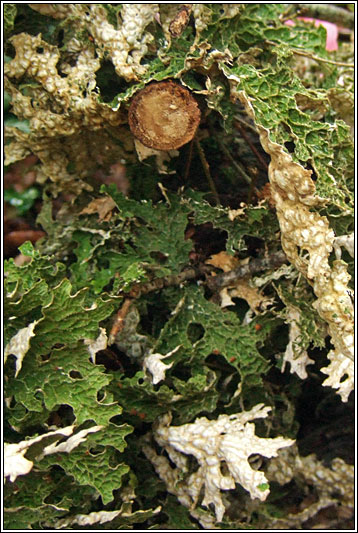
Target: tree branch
<point>328,12</point>
<point>215,283</point>
<point>220,281</point>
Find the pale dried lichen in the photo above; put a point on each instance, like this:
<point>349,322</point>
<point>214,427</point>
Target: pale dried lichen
<point>127,45</point>
<point>19,345</point>
<point>124,46</point>
<point>202,15</point>
<point>57,11</point>
<point>16,463</point>
<point>94,346</point>
<point>345,241</point>
<point>295,354</point>
<point>229,441</point>
<point>308,241</point>
<point>153,363</point>
<point>333,485</point>
<point>98,517</point>
<point>340,374</point>
<point>67,122</point>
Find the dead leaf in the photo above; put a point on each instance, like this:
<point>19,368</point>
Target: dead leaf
<point>224,261</point>
<point>102,206</point>
<point>257,301</point>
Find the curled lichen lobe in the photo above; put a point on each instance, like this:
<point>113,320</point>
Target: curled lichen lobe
<point>164,116</point>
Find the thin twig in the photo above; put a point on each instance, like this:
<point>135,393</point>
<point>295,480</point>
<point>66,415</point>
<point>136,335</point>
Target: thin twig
<point>253,187</point>
<point>215,283</point>
<point>323,60</point>
<point>168,281</point>
<point>252,147</point>
<point>328,12</point>
<point>118,323</point>
<point>274,260</point>
<point>188,161</point>
<point>246,124</point>
<point>236,164</point>
<point>315,58</point>
<point>207,171</point>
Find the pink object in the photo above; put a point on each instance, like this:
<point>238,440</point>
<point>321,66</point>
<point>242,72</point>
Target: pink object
<point>332,31</point>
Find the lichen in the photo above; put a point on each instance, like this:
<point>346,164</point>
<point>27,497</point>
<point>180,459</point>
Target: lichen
<point>67,122</point>
<point>231,440</point>
<point>334,484</point>
<point>19,345</point>
<point>69,91</point>
<point>126,45</point>
<point>57,11</point>
<point>295,354</point>
<point>153,363</point>
<point>308,241</point>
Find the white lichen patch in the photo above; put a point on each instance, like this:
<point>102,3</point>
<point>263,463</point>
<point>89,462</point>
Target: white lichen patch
<point>15,461</point>
<point>19,345</point>
<point>345,241</point>
<point>94,346</point>
<point>229,441</point>
<point>295,354</point>
<point>340,374</point>
<point>153,363</point>
<point>98,517</point>
<point>70,443</point>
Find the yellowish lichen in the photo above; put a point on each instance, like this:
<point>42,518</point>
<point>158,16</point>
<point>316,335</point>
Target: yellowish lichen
<point>334,485</point>
<point>124,46</point>
<point>57,11</point>
<point>67,123</point>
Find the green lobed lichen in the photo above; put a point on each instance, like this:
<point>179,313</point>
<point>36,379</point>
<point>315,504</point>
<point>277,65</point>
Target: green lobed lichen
<point>70,73</point>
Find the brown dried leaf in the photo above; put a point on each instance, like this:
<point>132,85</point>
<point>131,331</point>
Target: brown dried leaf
<point>224,261</point>
<point>257,301</point>
<point>102,206</point>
